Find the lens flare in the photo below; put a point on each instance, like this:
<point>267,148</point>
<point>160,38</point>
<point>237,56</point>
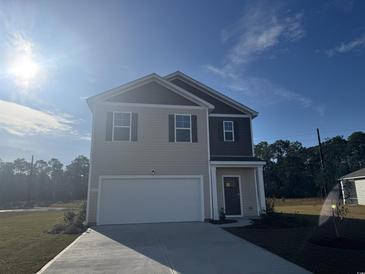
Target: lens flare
<point>24,68</point>
<point>330,204</point>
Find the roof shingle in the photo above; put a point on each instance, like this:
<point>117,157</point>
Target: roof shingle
<point>357,173</point>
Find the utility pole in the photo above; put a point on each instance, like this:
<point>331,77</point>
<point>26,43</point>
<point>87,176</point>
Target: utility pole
<point>30,183</point>
<point>324,186</point>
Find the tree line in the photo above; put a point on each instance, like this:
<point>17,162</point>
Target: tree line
<point>294,171</point>
<point>291,171</point>
<point>21,180</point>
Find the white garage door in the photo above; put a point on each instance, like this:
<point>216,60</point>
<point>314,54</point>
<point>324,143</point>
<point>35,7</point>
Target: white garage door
<point>150,200</point>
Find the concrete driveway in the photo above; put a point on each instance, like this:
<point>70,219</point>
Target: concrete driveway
<point>165,248</point>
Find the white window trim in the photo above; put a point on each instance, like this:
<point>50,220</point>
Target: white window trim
<point>184,114</point>
<point>240,190</point>
<point>130,126</point>
<point>224,131</point>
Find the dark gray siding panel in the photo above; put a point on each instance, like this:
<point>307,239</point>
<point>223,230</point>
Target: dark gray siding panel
<point>152,93</point>
<point>242,147</point>
<point>134,127</point>
<point>220,107</point>
<point>109,126</point>
<point>194,129</point>
<point>171,128</point>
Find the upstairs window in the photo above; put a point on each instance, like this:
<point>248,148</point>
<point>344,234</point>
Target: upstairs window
<point>228,131</point>
<point>182,128</point>
<point>122,126</point>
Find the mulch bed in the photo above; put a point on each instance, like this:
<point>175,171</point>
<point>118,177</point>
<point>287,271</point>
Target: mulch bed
<point>313,247</point>
<point>221,222</point>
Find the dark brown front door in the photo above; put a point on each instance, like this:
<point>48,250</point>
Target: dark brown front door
<point>232,196</point>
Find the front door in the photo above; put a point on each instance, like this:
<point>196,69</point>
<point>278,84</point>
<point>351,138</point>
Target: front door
<point>232,196</point>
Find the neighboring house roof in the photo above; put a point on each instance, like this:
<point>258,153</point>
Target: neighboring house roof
<point>145,80</point>
<point>356,174</point>
<point>212,92</point>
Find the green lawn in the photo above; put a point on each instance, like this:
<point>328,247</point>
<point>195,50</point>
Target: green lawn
<point>313,206</point>
<point>68,205</point>
<point>24,245</point>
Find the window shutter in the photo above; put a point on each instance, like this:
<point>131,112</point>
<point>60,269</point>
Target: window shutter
<point>236,131</point>
<point>220,131</point>
<point>109,126</point>
<point>194,129</point>
<point>134,134</point>
<point>171,128</point>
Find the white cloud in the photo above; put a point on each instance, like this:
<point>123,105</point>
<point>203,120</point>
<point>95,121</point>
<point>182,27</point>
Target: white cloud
<point>259,29</point>
<point>355,44</point>
<point>22,120</point>
<point>265,92</point>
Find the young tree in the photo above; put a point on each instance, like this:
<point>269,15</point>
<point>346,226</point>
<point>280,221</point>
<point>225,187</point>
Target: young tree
<point>77,174</point>
<point>56,174</point>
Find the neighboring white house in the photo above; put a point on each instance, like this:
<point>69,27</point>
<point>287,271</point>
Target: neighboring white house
<point>353,187</point>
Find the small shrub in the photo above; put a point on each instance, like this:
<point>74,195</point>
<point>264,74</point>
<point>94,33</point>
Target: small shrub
<point>73,222</point>
<point>222,215</point>
<point>341,210</point>
<point>270,205</point>
<point>69,217</point>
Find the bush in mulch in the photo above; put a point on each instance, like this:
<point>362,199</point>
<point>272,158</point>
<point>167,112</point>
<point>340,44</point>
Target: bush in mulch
<point>74,223</point>
<point>221,222</point>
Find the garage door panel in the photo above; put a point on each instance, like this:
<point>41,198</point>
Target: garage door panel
<point>150,200</point>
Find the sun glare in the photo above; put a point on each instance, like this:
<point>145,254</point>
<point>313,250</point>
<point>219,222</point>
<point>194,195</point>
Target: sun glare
<point>24,69</point>
<point>22,63</point>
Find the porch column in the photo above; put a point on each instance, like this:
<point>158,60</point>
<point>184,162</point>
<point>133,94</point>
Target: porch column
<point>214,194</point>
<point>261,188</point>
<point>343,192</point>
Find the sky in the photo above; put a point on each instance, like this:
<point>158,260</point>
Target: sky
<point>300,64</point>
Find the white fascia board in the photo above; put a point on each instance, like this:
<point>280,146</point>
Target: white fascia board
<point>229,115</point>
<point>215,93</point>
<point>142,81</point>
<point>151,105</point>
<point>115,90</point>
<point>352,178</point>
<point>238,163</point>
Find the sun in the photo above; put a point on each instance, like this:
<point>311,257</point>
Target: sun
<point>24,69</point>
<point>23,63</point>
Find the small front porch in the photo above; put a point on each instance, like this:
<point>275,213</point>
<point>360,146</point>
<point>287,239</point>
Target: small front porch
<point>237,188</point>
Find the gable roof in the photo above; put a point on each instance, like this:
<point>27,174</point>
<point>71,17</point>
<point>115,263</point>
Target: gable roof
<point>211,91</point>
<point>153,77</point>
<point>356,174</point>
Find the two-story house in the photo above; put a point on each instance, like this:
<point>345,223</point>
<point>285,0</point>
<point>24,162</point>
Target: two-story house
<point>171,149</point>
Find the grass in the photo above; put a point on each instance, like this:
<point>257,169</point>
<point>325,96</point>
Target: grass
<point>24,204</point>
<point>68,205</point>
<point>313,206</point>
<point>292,236</point>
<point>24,245</point>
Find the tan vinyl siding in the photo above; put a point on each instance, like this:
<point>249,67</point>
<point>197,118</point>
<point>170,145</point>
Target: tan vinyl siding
<point>360,191</point>
<point>152,150</point>
<point>248,188</point>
